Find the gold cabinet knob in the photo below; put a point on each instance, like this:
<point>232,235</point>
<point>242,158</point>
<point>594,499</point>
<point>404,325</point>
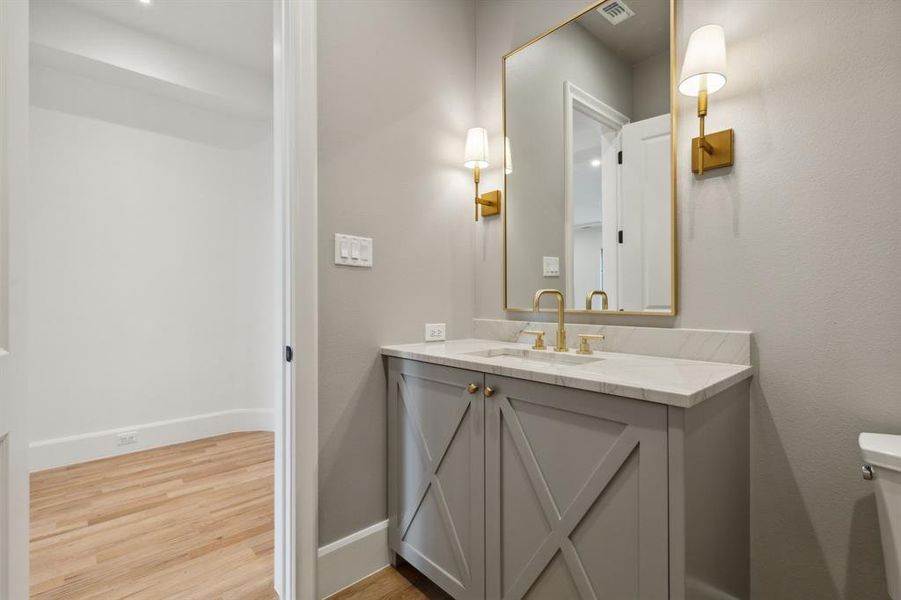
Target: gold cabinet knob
<point>472,388</point>
<point>489,391</point>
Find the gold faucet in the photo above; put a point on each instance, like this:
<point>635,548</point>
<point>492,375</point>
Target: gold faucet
<point>561,326</point>
<point>605,302</point>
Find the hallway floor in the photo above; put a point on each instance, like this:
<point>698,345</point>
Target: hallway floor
<point>190,521</point>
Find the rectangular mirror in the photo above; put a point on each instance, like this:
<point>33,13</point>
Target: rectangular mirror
<point>590,189</point>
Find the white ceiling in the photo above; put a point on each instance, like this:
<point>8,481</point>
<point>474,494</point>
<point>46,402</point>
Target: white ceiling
<point>239,31</point>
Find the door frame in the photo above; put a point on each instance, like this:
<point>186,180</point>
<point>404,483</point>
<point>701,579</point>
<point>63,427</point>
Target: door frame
<point>295,174</point>
<point>14,510</point>
<point>575,98</point>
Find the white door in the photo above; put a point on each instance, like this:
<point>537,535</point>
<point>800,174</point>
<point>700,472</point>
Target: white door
<point>13,167</point>
<point>645,253</point>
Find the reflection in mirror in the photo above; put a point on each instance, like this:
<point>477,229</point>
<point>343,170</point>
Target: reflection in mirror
<point>590,204</point>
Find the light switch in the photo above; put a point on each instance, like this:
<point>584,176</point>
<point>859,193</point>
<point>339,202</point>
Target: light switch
<point>353,251</point>
<point>366,250</point>
<point>551,266</point>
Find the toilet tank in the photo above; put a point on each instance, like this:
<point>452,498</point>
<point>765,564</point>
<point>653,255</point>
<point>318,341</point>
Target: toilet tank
<point>882,452</point>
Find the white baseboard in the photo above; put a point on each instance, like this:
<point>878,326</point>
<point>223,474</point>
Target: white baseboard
<point>350,559</point>
<point>59,452</point>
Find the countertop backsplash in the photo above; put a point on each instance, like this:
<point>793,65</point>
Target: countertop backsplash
<point>733,347</point>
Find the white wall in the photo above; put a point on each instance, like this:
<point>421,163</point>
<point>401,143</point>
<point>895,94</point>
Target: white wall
<point>151,260</point>
<point>798,242</point>
<point>396,97</point>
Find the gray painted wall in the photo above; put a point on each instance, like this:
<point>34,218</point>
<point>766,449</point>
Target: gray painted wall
<point>650,87</point>
<point>799,242</point>
<point>396,89</point>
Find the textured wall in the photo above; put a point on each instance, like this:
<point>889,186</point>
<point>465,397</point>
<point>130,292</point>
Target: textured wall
<point>799,242</point>
<point>396,97</point>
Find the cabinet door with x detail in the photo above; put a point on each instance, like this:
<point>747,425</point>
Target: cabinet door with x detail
<point>436,484</point>
<point>576,494</point>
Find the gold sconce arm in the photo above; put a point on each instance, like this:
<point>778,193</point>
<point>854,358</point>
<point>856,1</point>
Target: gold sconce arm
<point>710,151</point>
<point>477,175</point>
<point>490,202</point>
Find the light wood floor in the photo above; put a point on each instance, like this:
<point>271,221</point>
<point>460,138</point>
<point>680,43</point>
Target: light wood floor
<point>402,583</point>
<point>191,521</point>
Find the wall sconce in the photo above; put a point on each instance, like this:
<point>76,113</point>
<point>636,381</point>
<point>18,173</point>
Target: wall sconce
<point>704,73</point>
<point>475,157</point>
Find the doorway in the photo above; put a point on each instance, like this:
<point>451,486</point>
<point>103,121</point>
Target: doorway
<point>295,118</point>
<point>156,280</point>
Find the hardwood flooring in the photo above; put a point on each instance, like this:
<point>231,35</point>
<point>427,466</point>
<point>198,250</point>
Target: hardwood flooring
<point>186,522</point>
<point>402,583</point>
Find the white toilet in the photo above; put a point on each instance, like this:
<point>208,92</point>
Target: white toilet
<point>882,455</point>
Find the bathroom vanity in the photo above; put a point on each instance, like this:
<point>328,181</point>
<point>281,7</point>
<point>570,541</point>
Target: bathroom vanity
<point>520,473</point>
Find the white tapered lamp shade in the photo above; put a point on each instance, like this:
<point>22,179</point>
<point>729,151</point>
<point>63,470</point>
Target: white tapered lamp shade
<point>704,67</point>
<point>508,158</point>
<point>476,151</point>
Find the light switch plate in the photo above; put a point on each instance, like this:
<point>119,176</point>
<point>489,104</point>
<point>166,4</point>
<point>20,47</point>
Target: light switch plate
<point>435,332</point>
<point>353,251</point>
<point>551,266</point>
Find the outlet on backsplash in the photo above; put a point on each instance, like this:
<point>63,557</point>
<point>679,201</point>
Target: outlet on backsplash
<point>435,332</point>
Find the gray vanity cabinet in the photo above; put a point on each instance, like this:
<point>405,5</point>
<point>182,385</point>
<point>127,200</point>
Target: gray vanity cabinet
<point>436,494</point>
<point>505,488</point>
<point>576,494</point>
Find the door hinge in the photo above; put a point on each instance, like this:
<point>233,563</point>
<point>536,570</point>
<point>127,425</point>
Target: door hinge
<point>619,236</point>
<point>619,157</point>
<point>289,354</point>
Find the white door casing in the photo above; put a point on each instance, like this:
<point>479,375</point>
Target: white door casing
<point>575,98</point>
<point>296,164</point>
<point>13,188</point>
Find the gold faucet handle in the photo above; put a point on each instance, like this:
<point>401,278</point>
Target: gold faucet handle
<point>539,339</point>
<point>585,342</point>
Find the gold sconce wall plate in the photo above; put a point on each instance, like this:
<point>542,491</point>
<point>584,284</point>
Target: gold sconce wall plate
<point>490,203</point>
<point>722,143</point>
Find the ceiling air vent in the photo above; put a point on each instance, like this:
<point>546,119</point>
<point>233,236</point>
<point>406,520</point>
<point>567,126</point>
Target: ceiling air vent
<point>615,11</point>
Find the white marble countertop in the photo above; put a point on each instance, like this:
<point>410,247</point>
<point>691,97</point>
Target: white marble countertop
<point>672,381</point>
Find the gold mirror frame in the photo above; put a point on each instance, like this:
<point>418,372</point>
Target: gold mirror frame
<point>673,118</point>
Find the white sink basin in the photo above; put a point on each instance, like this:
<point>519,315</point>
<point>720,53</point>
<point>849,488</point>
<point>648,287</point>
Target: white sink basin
<point>523,357</point>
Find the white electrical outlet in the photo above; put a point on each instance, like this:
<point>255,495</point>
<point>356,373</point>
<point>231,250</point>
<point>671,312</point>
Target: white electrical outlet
<point>127,437</point>
<point>551,266</point>
<point>435,332</point>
